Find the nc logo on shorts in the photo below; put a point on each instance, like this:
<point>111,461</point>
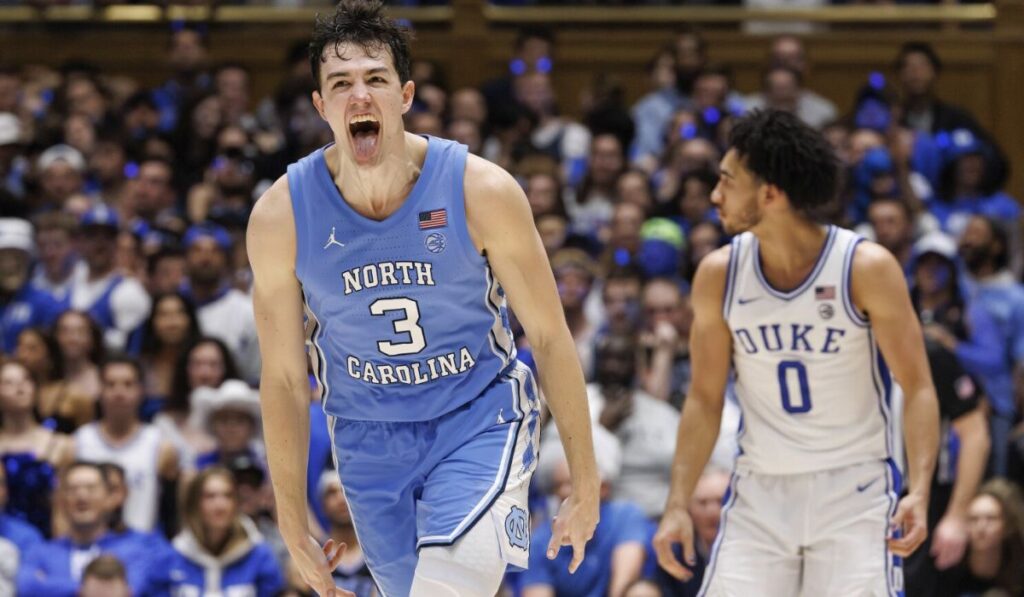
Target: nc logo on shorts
<point>517,528</point>
<point>435,242</point>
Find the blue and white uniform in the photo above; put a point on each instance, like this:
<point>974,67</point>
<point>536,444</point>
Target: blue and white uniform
<point>434,421</point>
<point>814,487</point>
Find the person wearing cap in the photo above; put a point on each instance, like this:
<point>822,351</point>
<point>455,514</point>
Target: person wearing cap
<point>21,304</point>
<point>224,311</point>
<point>231,415</point>
<point>615,554</point>
<point>118,303</point>
<point>61,173</point>
<point>352,574</point>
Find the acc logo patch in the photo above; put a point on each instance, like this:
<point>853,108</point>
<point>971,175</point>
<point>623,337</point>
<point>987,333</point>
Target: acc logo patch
<point>517,528</point>
<point>435,242</point>
<point>826,310</point>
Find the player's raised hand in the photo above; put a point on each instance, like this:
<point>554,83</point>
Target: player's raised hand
<point>949,542</point>
<point>911,520</point>
<point>676,527</point>
<point>577,518</point>
<point>315,564</point>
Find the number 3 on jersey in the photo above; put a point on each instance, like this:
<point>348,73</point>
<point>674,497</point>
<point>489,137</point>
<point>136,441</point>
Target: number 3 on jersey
<point>786,378</point>
<point>406,325</point>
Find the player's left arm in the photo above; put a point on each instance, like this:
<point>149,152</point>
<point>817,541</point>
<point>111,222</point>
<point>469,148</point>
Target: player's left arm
<point>880,290</point>
<point>501,224</point>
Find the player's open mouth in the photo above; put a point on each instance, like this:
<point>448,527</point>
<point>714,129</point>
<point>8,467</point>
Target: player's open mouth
<point>365,131</point>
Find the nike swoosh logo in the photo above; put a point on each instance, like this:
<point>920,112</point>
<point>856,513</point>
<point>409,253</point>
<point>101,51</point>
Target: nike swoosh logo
<point>743,301</point>
<point>861,488</point>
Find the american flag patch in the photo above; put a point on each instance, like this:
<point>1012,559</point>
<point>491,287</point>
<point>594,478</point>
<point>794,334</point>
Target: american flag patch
<point>824,293</point>
<point>433,219</point>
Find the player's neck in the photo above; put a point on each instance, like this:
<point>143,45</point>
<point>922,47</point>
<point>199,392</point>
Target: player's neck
<point>790,247</point>
<point>377,190</point>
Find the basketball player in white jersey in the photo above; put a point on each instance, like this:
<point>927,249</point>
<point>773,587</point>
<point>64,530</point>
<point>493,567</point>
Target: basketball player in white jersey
<point>800,310</point>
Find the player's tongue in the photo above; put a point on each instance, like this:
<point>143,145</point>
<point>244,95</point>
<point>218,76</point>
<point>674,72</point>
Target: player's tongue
<point>365,135</point>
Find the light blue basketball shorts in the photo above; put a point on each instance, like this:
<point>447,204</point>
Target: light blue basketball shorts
<point>425,483</point>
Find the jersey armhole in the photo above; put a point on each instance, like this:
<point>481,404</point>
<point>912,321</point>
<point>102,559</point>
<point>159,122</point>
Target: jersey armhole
<point>730,277</point>
<point>852,312</point>
<point>301,222</point>
<point>460,222</point>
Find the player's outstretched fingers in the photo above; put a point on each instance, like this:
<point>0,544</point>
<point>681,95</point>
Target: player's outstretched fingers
<point>663,542</point>
<point>558,538</point>
<point>579,549</point>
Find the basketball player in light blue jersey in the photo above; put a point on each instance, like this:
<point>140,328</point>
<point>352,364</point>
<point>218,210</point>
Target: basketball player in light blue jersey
<point>800,311</point>
<point>398,251</point>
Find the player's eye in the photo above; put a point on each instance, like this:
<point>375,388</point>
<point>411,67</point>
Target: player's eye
<point>376,79</point>
<point>341,84</point>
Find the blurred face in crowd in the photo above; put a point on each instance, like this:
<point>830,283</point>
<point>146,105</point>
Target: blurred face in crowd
<point>335,505</point>
<point>168,274</point>
<point>689,54</point>
<point>663,71</point>
<point>542,194</point>
<point>933,273</point>
<point>32,350</point>
<point>553,229</point>
<point>634,187</point>
<point>893,230</point>
<point>207,262</point>
<point>187,52</point>
<point>970,172</point>
<point>466,132</point>
<point>606,159</point>
<point>14,267</point>
<point>703,239</point>
<point>425,123</point>
<point>782,90</point>
<point>107,162</point>
<point>615,360</point>
<point>534,91</point>
<point>233,429</point>
<point>122,390</point>
<point>736,195</point>
<point>695,154</point>
<point>533,49</point>
<point>218,505</point>
<point>232,84</point>
<point>85,498</point>
<point>838,136</point>
<point>153,191</point>
<point>468,104</point>
<point>627,220</point>
<point>80,133</point>
<point>207,117</point>
<point>621,298</point>
<point>205,366</point>
<point>710,90</point>
<point>84,97</point>
<point>706,505</point>
<point>978,246</point>
<point>93,586</point>
<point>73,333</point>
<point>59,181</point>
<point>573,286</point>
<point>433,97</point>
<point>99,247</point>
<point>788,51</point>
<point>917,76</point>
<point>986,523</point>
<point>171,320</point>
<point>662,301</point>
<point>863,140</point>
<point>17,389</point>
<point>10,88</point>
<point>694,199</point>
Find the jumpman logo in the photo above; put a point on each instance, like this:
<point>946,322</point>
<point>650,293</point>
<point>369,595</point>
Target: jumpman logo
<point>332,241</point>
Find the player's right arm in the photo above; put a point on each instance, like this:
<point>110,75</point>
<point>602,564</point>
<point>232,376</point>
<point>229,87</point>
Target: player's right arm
<point>284,387</point>
<point>711,355</point>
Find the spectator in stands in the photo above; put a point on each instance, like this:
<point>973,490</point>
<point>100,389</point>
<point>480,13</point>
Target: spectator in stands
<point>919,67</point>
<point>171,327</point>
<point>574,274</point>
<point>224,312</point>
<point>615,554</point>
<point>60,407</point>
<point>56,567</point>
<point>994,564</point>
<point>20,533</point>
<point>692,203</point>
<point>231,415</point>
<point>219,551</point>
<point>80,351</point>
<point>653,111</point>
<point>61,173</point>
<point>782,88</point>
<point>634,186</point>
<point>984,249</point>
<point>206,362</point>
<point>544,193</point>
<point>590,205</point>
<point>108,166</point>
<point>117,303</point>
<point>892,225</point>
<point>563,139</point>
<point>664,367</point>
<point>620,296</point>
<point>690,154</point>
<point>31,453</point>
<point>21,304</point>
<point>150,462</point>
<point>105,577</point>
<point>56,235</point>
<point>13,164</point>
<point>151,196</point>
<point>187,53</point>
<point>232,84</point>
<point>646,427</point>
<point>622,236</point>
<point>532,52</point>
<point>352,574</point>
<point>702,239</point>
<point>788,51</point>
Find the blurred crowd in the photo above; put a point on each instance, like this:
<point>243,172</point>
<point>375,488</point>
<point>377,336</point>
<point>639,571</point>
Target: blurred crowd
<point>130,431</point>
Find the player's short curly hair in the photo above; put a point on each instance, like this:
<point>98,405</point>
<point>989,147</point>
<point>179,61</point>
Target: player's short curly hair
<point>783,151</point>
<point>363,23</point>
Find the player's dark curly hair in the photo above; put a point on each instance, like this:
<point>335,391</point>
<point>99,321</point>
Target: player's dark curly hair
<point>781,150</point>
<point>363,23</point>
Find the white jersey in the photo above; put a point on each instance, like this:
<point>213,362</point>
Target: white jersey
<point>139,458</point>
<point>809,377</point>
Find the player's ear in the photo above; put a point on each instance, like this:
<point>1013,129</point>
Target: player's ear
<point>318,103</point>
<point>408,93</point>
<point>769,193</point>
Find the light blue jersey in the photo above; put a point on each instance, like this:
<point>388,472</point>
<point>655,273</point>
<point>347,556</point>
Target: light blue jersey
<point>405,318</point>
